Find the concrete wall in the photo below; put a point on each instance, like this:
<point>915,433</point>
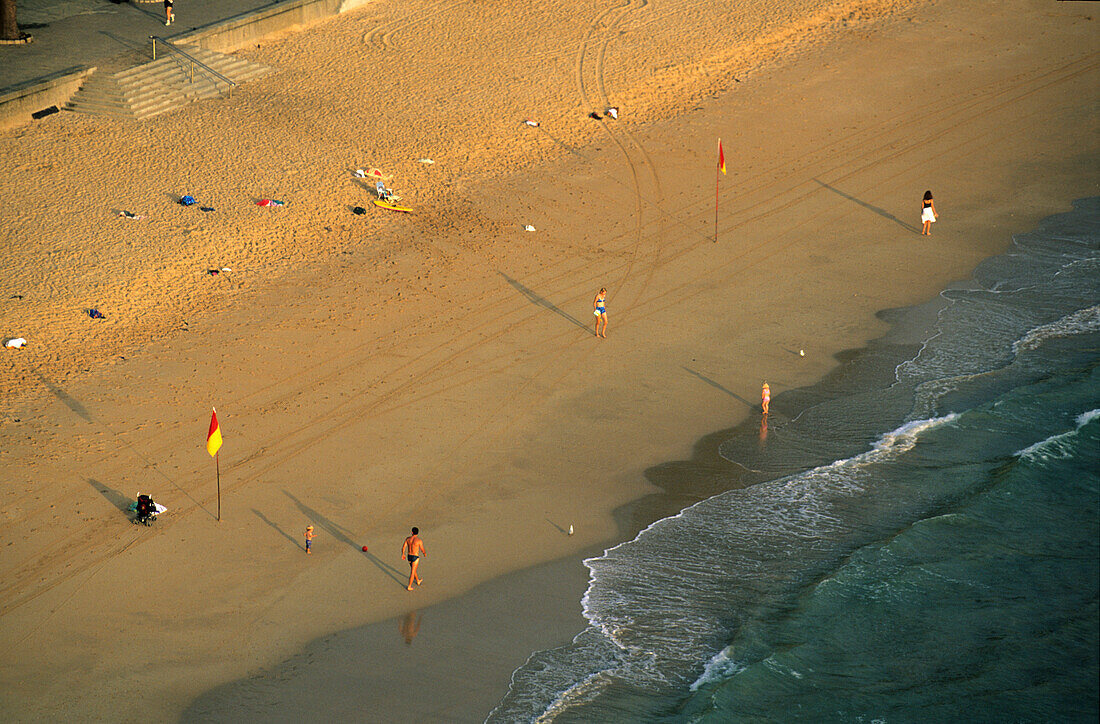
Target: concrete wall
<point>17,104</point>
<point>225,36</point>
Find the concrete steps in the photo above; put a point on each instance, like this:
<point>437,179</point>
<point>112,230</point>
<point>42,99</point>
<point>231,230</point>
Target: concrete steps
<point>162,85</point>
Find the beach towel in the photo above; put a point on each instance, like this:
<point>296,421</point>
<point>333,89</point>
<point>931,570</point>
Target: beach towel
<point>95,314</point>
<point>16,343</point>
<point>157,507</point>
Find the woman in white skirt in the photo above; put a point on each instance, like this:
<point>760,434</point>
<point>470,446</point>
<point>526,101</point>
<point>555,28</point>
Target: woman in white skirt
<point>928,214</point>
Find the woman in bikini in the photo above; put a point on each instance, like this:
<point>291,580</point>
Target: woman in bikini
<point>600,310</point>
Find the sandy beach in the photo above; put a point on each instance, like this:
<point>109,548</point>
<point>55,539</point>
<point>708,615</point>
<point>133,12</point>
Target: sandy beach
<point>373,372</point>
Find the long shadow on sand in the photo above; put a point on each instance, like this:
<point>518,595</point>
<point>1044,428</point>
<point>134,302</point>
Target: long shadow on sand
<point>68,401</point>
<point>273,524</point>
<point>338,532</point>
<point>82,412</point>
<point>717,386</point>
<point>871,207</point>
<point>114,497</point>
<point>542,301</point>
<point>343,535</point>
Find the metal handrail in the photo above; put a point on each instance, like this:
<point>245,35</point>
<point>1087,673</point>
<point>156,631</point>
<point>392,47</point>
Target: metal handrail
<point>193,62</point>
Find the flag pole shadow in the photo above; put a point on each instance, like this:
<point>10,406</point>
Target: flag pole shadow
<point>82,412</point>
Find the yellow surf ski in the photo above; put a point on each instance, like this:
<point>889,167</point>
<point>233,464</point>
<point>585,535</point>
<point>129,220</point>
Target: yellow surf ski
<point>391,206</point>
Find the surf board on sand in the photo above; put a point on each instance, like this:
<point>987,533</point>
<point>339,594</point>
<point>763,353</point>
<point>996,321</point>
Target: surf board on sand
<point>391,206</point>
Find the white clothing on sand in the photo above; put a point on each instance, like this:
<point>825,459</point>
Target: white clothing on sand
<point>927,214</point>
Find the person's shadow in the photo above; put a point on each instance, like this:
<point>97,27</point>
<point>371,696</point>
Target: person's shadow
<point>870,207</point>
<point>343,535</point>
<point>283,533</point>
<point>717,386</point>
<point>80,411</point>
<point>114,497</point>
<point>542,301</point>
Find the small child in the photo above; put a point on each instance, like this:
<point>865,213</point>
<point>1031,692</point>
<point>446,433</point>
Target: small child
<point>309,538</point>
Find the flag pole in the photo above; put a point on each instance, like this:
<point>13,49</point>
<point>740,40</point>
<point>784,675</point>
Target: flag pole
<point>717,178</point>
<point>213,445</point>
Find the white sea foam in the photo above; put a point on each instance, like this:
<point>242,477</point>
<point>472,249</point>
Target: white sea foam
<point>633,593</point>
<point>720,667</point>
<point>1080,322</point>
<point>581,692</point>
<point>1086,417</point>
<point>662,604</point>
<point>1060,445</point>
<point>903,438</point>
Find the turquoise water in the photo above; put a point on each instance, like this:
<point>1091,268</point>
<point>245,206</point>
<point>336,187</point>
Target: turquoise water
<point>925,545</point>
<point>983,610</point>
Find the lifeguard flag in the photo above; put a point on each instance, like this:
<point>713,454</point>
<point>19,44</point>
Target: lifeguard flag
<point>721,158</point>
<point>214,437</point>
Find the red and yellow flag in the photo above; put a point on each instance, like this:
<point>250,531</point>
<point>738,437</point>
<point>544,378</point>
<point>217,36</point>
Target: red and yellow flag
<point>214,437</point>
<point>721,158</point>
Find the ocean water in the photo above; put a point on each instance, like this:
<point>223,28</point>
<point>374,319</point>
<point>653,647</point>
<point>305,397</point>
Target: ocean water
<point>924,544</point>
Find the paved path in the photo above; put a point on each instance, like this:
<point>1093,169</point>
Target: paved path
<point>103,33</point>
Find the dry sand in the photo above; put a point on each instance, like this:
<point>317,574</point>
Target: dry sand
<point>438,369</point>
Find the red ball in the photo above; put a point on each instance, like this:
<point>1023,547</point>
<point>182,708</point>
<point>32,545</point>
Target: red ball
<point>364,549</point>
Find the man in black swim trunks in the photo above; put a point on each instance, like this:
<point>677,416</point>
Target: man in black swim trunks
<point>169,16</point>
<point>411,551</point>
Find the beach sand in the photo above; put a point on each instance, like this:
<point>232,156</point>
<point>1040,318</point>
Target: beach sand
<point>438,369</point>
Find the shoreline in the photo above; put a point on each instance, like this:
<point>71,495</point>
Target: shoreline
<point>509,403</point>
<point>365,669</point>
<point>373,669</point>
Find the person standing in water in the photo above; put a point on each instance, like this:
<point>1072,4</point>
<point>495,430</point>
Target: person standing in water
<point>765,397</point>
<point>411,551</point>
<point>928,214</point>
<point>600,310</point>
